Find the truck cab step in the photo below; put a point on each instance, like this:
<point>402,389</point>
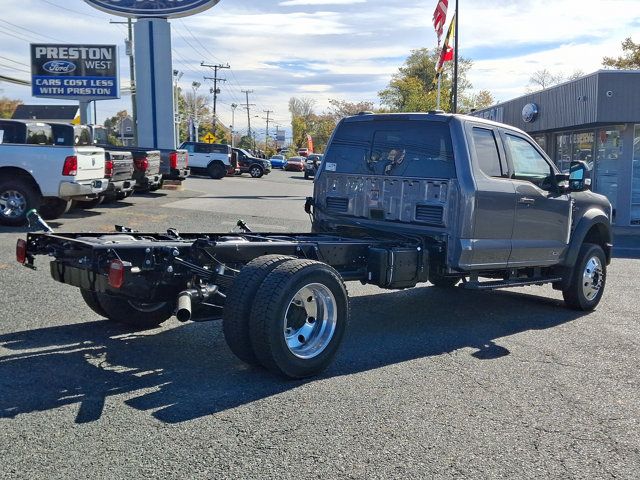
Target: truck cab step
<point>520,282</point>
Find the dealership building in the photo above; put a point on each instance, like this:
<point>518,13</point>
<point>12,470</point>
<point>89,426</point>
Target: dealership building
<point>595,118</point>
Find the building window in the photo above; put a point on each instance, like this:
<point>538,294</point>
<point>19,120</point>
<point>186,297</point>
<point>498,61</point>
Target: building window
<point>635,182</point>
<point>605,172</point>
<point>563,151</point>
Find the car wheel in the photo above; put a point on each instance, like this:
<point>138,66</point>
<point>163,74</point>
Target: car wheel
<point>588,279</point>
<point>53,208</point>
<point>299,317</point>
<point>237,307</point>
<point>17,197</point>
<point>137,315</point>
<point>216,171</point>
<point>256,171</point>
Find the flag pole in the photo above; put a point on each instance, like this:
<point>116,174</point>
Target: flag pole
<point>439,84</point>
<point>455,63</point>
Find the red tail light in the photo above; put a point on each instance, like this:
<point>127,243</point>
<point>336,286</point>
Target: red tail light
<point>70,168</point>
<point>108,168</point>
<point>116,273</point>
<point>173,160</point>
<point>21,251</point>
<point>142,164</point>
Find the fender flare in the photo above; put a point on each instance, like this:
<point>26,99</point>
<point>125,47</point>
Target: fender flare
<point>591,218</point>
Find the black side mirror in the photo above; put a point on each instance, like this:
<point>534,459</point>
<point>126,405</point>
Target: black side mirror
<point>579,179</point>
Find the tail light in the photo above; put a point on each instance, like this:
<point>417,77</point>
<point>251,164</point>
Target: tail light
<point>21,251</point>
<point>70,168</point>
<point>142,164</point>
<point>116,273</point>
<point>108,168</point>
<point>173,160</point>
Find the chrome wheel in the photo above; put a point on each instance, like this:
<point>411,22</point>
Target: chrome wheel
<point>255,172</point>
<point>13,204</point>
<point>592,278</point>
<point>310,321</point>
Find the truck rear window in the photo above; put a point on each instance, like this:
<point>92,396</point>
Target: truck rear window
<point>392,147</point>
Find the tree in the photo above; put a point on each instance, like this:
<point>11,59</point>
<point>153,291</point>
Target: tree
<point>8,106</point>
<point>301,107</point>
<point>340,108</point>
<point>542,79</point>
<point>412,88</point>
<point>630,60</point>
<point>477,101</point>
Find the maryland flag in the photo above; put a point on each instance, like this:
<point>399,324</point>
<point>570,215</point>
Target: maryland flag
<point>447,51</point>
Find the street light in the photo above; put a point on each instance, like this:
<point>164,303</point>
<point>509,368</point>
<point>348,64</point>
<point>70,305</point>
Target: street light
<point>196,122</point>
<point>177,75</point>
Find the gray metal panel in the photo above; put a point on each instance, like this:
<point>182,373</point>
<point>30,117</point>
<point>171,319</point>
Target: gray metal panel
<point>577,103</point>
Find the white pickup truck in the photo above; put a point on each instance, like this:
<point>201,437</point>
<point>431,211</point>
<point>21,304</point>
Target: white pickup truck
<point>36,174</point>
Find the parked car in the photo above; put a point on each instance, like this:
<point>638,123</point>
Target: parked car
<point>35,173</point>
<point>278,161</point>
<point>303,152</point>
<point>212,159</point>
<point>256,167</point>
<point>312,164</point>
<point>118,164</point>
<point>295,164</point>
<point>147,165</point>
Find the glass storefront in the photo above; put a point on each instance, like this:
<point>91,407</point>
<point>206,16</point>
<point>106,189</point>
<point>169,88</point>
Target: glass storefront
<point>635,181</point>
<point>608,157</point>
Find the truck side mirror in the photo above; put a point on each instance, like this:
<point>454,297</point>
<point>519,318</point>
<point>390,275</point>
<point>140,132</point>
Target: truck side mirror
<point>579,176</point>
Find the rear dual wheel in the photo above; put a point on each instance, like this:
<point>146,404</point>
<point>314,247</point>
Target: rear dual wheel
<point>296,321</point>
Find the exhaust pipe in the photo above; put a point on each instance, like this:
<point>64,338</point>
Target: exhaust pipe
<point>183,313</point>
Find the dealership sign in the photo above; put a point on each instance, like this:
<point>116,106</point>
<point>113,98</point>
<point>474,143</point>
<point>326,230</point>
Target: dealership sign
<point>80,72</point>
<point>152,8</point>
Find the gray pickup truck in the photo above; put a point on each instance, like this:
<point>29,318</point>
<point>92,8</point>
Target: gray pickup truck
<point>398,200</point>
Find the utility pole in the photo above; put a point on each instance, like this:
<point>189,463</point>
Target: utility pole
<point>248,106</point>
<point>266,138</point>
<point>233,124</point>
<point>216,90</point>
<point>132,75</point>
<point>196,120</point>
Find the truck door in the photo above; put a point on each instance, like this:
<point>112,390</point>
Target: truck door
<point>543,217</point>
<point>495,200</point>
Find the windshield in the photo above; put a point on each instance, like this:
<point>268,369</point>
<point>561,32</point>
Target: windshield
<point>392,147</point>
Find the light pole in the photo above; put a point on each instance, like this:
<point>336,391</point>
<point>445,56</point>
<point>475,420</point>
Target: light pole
<point>177,75</point>
<point>233,124</point>
<point>196,123</point>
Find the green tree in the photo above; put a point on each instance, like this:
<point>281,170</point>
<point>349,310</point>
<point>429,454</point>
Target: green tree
<point>8,106</point>
<point>412,89</point>
<point>476,101</point>
<point>246,142</point>
<point>630,60</point>
<point>340,109</point>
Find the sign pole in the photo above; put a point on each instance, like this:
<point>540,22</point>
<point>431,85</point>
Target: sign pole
<point>85,112</point>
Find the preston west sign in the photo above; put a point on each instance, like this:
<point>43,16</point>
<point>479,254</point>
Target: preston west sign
<point>152,8</point>
<point>78,72</point>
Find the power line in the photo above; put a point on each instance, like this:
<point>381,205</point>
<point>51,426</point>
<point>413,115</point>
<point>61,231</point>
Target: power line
<point>216,90</point>
<point>70,10</point>
<point>31,31</point>
<point>14,68</point>
<point>15,61</point>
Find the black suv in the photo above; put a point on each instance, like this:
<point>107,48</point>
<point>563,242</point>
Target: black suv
<point>256,167</point>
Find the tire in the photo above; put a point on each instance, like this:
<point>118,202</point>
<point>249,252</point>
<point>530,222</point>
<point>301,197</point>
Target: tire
<point>91,299</point>
<point>237,307</point>
<point>216,171</point>
<point>53,208</point>
<point>588,279</point>
<point>17,197</point>
<point>287,336</point>
<point>443,282</point>
<point>90,203</point>
<point>255,171</point>
<point>136,316</point>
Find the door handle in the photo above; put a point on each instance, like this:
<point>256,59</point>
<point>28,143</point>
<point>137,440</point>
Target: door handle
<point>526,200</point>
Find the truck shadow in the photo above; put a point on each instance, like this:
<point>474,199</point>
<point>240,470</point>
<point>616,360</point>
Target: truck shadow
<point>187,372</point>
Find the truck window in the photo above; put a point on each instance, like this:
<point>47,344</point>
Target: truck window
<point>392,147</point>
<point>219,148</point>
<point>10,133</point>
<point>487,152</point>
<point>528,164</point>
<point>39,135</point>
<point>188,147</point>
<point>202,148</point>
<point>82,136</point>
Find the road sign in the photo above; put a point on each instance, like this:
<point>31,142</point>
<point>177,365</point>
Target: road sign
<point>209,138</point>
<point>80,72</point>
<point>152,8</point>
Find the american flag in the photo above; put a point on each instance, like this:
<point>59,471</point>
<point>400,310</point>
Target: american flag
<point>440,17</point>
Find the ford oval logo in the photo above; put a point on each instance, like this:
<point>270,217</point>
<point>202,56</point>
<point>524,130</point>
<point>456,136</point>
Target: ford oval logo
<point>59,66</point>
<point>152,8</point>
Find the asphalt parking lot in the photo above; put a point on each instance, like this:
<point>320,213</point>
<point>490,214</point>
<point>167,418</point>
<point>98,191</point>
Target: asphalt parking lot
<point>428,383</point>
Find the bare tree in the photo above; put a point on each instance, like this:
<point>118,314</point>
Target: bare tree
<point>542,79</point>
<point>301,107</point>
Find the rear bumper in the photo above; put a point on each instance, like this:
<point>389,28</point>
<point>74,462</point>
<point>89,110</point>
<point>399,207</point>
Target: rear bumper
<point>82,189</point>
<point>123,186</point>
<point>149,181</point>
<point>292,168</point>
<point>178,174</point>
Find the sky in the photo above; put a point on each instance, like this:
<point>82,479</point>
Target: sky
<point>332,49</point>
